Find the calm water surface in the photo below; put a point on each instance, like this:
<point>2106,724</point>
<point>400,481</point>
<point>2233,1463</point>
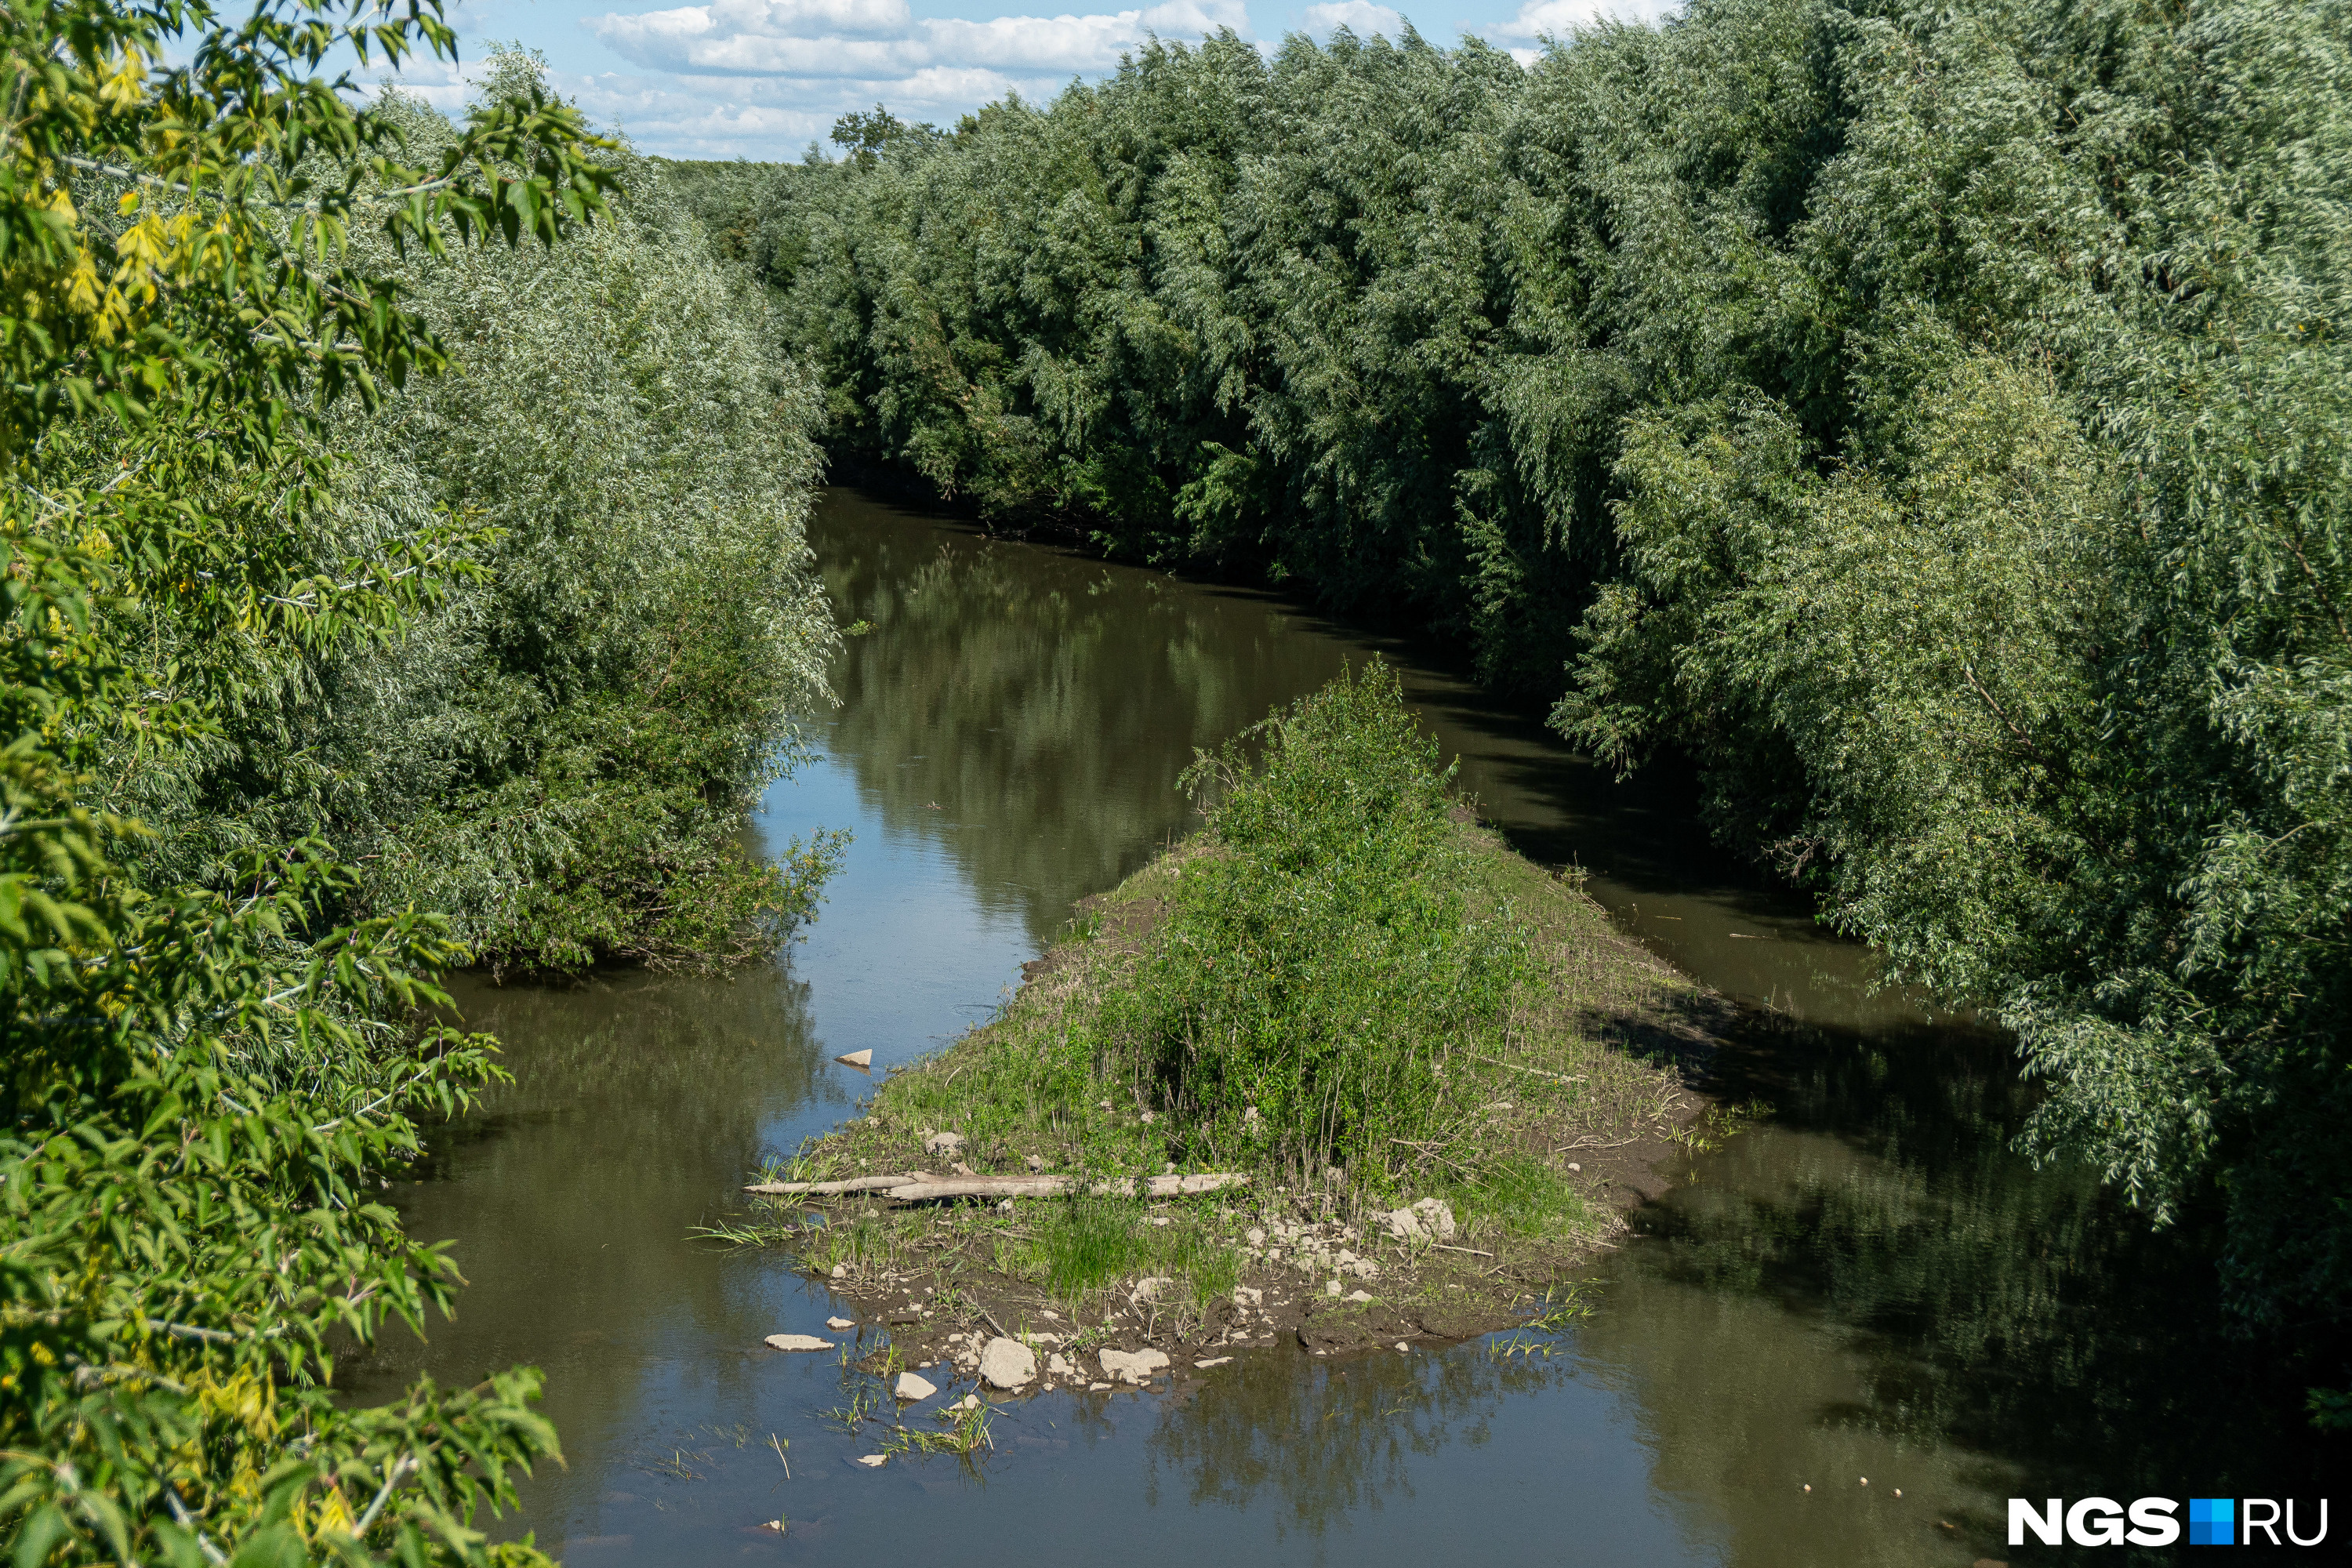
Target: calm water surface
<point>1866,1285</point>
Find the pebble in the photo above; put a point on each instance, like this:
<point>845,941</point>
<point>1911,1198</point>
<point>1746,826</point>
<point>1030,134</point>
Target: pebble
<point>1132,1366</point>
<point>798,1342</point>
<point>837,1324</point>
<point>856,1058</point>
<point>873,1461</point>
<point>1212,1361</point>
<point>910,1388</point>
<point>1007,1363</point>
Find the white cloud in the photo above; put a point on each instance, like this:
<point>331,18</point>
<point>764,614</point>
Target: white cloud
<point>1358,16</point>
<point>878,40</point>
<point>1558,18</point>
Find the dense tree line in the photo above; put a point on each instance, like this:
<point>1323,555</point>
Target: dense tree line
<point>1929,420</point>
<point>401,567</point>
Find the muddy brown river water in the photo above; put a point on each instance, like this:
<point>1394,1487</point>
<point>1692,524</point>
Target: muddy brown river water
<point>1866,1284</point>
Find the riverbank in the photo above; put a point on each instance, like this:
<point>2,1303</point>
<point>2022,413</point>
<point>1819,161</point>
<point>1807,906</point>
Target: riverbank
<point>1437,1070</point>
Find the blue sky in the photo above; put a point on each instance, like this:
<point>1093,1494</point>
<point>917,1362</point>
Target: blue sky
<point>761,79</point>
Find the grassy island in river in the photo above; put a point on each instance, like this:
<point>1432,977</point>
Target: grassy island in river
<point>1343,988</point>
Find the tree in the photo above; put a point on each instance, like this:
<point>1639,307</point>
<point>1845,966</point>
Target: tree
<point>206,1085</point>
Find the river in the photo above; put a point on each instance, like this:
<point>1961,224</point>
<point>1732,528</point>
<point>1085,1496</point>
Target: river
<point>1867,1284</point>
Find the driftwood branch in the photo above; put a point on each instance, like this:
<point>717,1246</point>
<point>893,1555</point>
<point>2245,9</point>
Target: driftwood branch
<point>917,1186</point>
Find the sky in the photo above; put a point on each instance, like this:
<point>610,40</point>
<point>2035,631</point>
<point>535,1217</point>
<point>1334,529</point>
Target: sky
<point>762,79</point>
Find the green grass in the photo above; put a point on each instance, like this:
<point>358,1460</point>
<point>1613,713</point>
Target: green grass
<point>1075,1247</point>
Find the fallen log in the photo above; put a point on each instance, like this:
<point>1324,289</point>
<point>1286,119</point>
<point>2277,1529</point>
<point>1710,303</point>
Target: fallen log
<point>821,1189</point>
<point>1054,1186</point>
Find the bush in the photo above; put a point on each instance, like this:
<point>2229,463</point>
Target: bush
<point>1323,961</point>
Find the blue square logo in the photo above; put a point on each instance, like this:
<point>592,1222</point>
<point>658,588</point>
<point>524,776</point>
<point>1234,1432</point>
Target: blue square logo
<point>2212,1521</point>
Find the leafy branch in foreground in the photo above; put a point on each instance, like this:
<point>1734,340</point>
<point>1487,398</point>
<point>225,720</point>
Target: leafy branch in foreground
<point>207,1083</point>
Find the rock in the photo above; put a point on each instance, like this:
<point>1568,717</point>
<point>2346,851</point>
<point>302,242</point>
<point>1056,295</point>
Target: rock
<point>910,1388</point>
<point>1360,1296</point>
<point>1249,1115</point>
<point>1152,1289</point>
<point>1403,1349</point>
<point>1007,1363</point>
<point>1058,1365</point>
<point>1212,1361</point>
<point>1255,1236</point>
<point>1097,1387</point>
<point>838,1325</point>
<point>873,1461</point>
<point>1132,1366</point>
<point>969,1402</point>
<point>798,1342</point>
<point>1577,1168</point>
<point>961,1169</point>
<point>1248,1296</point>
<point>1432,1219</point>
<point>1161,1219</point>
<point>1150,1117</point>
<point>841,1271</point>
<point>856,1058</point>
<point>1035,1164</point>
<point>1330,1288</point>
<point>949,1144</point>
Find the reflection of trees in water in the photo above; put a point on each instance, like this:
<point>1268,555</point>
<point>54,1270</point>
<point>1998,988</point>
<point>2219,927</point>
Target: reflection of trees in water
<point>1889,1273</point>
<point>635,1102</point>
<point>1327,1439</point>
<point>1046,703</point>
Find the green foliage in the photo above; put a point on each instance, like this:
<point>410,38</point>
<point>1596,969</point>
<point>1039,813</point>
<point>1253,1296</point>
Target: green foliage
<point>1928,420</point>
<point>239,629</point>
<point>1320,965</point>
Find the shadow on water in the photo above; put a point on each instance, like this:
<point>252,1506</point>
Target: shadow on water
<point>1867,1283</point>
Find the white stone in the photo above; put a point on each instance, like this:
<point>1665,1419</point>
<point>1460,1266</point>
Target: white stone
<point>1212,1361</point>
<point>1248,1296</point>
<point>1132,1366</point>
<point>1161,1219</point>
<point>841,1271</point>
<point>1577,1168</point>
<point>1152,1289</point>
<point>1097,1387</point>
<point>856,1058</point>
<point>911,1387</point>
<point>1403,1349</point>
<point>873,1461</point>
<point>1007,1363</point>
<point>1331,1287</point>
<point>837,1324</point>
<point>1430,1219</point>
<point>1256,1236</point>
<point>1034,1163</point>
<point>949,1144</point>
<point>1059,1366</point>
<point>798,1342</point>
<point>1359,1295</point>
<point>969,1402</point>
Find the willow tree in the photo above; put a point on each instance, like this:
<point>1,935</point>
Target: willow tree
<point>206,1085</point>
